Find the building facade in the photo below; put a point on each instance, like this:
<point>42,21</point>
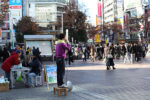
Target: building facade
<point>45,12</point>
<point>110,11</point>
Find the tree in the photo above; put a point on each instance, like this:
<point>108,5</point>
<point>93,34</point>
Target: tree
<point>75,21</point>
<point>4,6</point>
<point>25,26</point>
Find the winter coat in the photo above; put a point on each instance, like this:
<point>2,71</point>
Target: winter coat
<point>14,59</point>
<point>35,66</point>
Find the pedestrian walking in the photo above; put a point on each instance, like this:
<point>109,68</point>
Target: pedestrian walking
<point>92,53</point>
<point>61,46</point>
<point>132,51</point>
<point>110,61</point>
<point>123,50</point>
<point>127,55</point>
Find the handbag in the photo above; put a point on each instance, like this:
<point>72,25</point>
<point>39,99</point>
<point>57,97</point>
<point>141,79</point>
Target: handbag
<point>110,56</point>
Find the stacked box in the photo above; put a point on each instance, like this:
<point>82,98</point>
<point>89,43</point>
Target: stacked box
<point>4,87</point>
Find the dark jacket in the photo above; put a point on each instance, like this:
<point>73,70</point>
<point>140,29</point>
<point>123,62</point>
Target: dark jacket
<point>35,66</point>
<point>5,54</point>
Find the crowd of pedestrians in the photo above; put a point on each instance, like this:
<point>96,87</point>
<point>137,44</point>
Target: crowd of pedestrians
<point>129,52</point>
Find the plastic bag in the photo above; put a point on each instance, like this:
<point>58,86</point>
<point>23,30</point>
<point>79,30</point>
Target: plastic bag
<point>104,60</point>
<point>19,75</point>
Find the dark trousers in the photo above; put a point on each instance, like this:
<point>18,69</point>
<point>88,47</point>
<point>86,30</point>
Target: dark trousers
<point>7,75</point>
<point>60,70</point>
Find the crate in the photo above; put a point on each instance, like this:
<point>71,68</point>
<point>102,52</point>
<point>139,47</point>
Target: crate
<point>4,87</point>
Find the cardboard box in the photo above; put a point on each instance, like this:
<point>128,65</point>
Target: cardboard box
<point>4,87</point>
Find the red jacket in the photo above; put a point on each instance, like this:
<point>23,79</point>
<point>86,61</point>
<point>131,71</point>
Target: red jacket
<point>10,61</point>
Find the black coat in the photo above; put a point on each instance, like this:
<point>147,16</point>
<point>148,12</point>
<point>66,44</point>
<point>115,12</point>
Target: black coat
<point>35,66</point>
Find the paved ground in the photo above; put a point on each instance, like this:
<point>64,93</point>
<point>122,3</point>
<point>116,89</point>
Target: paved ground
<point>92,82</point>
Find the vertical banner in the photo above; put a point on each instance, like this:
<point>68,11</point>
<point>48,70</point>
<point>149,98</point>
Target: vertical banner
<point>99,9</point>
<point>127,23</point>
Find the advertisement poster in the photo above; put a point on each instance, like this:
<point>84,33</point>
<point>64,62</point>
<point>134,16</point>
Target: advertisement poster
<point>51,72</point>
<point>44,46</point>
<point>15,7</point>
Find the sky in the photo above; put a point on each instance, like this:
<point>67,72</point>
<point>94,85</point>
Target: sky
<point>91,7</point>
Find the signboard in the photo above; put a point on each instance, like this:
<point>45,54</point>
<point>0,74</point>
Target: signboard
<point>98,20</point>
<point>97,38</point>
<point>15,7</point>
<point>44,46</point>
<point>15,2</point>
<point>129,4</point>
<point>15,10</point>
<point>51,73</point>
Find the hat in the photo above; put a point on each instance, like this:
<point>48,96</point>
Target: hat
<point>18,51</point>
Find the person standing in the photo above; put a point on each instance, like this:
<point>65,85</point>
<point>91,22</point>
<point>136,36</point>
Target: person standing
<point>61,46</point>
<point>132,51</point>
<point>92,53</point>
<point>123,49</point>
<point>5,54</point>
<point>70,56</point>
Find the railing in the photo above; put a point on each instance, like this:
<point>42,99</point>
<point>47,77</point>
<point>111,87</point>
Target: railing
<point>59,1</point>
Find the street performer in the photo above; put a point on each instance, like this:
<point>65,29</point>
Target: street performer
<point>61,46</point>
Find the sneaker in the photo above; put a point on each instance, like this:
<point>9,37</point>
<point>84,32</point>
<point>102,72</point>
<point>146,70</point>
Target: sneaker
<point>62,86</point>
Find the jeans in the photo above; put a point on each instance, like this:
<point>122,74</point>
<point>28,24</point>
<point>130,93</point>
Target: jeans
<point>60,70</point>
<point>31,79</point>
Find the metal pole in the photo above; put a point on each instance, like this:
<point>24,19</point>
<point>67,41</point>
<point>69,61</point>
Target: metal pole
<point>62,23</point>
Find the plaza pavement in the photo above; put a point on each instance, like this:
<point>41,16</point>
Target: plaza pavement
<point>93,82</point>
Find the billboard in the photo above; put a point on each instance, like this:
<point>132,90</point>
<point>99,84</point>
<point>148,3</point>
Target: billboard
<point>15,2</point>
<point>15,7</point>
<point>129,4</point>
